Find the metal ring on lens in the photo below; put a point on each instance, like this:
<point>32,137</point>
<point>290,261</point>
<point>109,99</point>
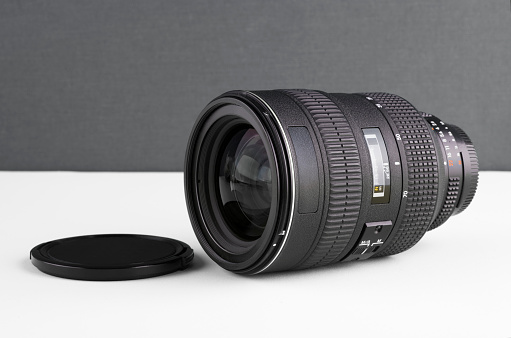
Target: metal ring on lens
<point>287,228</point>
<point>208,223</point>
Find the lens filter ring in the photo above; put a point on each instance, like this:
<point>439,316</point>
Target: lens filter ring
<point>233,252</point>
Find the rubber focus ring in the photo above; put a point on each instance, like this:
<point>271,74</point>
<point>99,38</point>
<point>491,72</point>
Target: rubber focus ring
<point>345,176</point>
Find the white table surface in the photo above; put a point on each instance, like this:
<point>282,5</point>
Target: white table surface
<point>455,283</point>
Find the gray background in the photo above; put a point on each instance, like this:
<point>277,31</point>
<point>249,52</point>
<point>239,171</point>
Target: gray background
<point>117,85</point>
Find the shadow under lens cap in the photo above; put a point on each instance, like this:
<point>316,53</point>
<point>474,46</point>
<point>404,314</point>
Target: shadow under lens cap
<point>111,257</point>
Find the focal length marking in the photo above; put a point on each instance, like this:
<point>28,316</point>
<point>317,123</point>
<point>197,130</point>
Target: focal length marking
<point>380,165</point>
<point>421,167</point>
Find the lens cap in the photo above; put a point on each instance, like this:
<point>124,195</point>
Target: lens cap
<point>111,257</point>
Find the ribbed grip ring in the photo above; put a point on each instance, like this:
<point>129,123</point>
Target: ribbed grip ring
<point>471,180</point>
<point>422,165</point>
<point>453,191</point>
<point>345,176</point>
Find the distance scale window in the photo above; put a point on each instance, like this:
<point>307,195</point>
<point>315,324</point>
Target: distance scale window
<point>379,164</point>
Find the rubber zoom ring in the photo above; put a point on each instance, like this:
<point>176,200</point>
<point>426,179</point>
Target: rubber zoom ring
<point>345,176</point>
<point>422,173</point>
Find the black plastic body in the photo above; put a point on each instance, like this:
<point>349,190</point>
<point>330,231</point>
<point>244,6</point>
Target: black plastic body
<point>325,193</point>
<point>111,257</point>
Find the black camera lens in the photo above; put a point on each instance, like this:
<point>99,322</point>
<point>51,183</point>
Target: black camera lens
<point>293,179</point>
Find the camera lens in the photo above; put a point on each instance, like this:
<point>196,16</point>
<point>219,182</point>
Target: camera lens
<point>293,179</point>
<point>244,183</point>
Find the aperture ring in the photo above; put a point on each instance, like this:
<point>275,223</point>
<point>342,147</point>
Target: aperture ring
<point>422,161</point>
<point>345,176</point>
<point>472,176</point>
<point>450,146</point>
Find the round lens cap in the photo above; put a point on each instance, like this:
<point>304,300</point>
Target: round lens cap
<point>111,257</point>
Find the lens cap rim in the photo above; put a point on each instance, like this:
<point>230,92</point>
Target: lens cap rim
<point>180,259</point>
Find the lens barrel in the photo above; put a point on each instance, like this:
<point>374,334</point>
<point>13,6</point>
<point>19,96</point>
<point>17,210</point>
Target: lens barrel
<point>293,179</point>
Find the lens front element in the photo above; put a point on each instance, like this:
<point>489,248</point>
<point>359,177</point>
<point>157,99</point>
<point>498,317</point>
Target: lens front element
<point>244,183</point>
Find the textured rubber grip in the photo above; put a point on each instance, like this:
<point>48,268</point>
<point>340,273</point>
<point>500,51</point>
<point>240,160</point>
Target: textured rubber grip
<point>453,191</point>
<point>422,173</point>
<point>471,179</point>
<point>345,176</point>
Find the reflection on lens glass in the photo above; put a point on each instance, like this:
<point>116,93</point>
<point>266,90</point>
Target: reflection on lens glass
<point>244,183</point>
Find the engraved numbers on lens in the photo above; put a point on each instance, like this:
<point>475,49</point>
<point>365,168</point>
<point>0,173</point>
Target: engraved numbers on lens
<point>448,140</point>
<point>357,146</point>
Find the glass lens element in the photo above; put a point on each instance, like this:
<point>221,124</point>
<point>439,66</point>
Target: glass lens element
<point>245,183</point>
